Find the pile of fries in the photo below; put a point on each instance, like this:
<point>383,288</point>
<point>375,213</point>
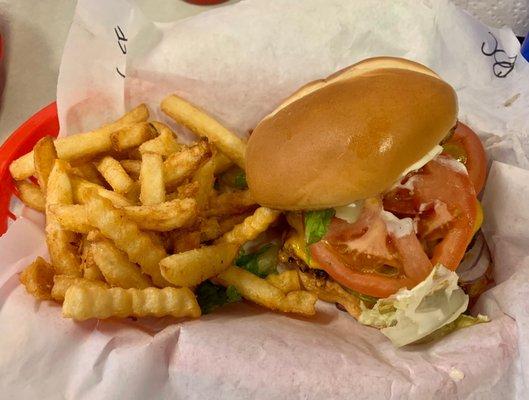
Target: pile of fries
<point>137,223</point>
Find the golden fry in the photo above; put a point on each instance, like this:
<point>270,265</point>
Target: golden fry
<point>44,156</point>
<point>261,292</point>
<point>230,203</point>
<point>251,227</point>
<point>209,229</point>
<point>132,136</point>
<point>61,243</point>
<point>205,179</point>
<point>132,167</point>
<point>61,283</point>
<point>81,303</point>
<point>204,125</point>
<point>181,165</point>
<point>165,216</point>
<point>286,281</point>
<point>72,217</point>
<point>195,266</point>
<point>165,144</point>
<point>37,277</point>
<point>115,174</point>
<point>88,266</point>
<point>226,224</point>
<point>152,186</point>
<point>80,186</point>
<point>330,292</point>
<point>23,167</point>
<point>222,163</point>
<point>31,195</point>
<point>116,267</point>
<point>185,241</point>
<point>89,172</point>
<point>126,235</point>
<point>184,191</point>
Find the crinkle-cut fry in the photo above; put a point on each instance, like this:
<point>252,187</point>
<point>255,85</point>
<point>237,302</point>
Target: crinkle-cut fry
<point>165,144</point>
<point>230,203</point>
<point>37,277</point>
<point>81,303</point>
<point>195,266</point>
<point>88,171</point>
<point>152,184</point>
<point>80,186</point>
<point>331,292</point>
<point>226,224</point>
<point>44,156</point>
<point>261,292</point>
<point>200,123</point>
<point>205,178</point>
<point>126,235</point>
<point>31,195</point>
<point>251,227</point>
<point>286,281</point>
<point>132,136</point>
<point>115,174</point>
<point>88,266</point>
<point>174,214</point>
<point>178,213</point>
<point>81,145</point>
<point>222,163</point>
<point>61,283</point>
<point>116,267</point>
<point>61,243</point>
<point>181,165</point>
<point>132,167</point>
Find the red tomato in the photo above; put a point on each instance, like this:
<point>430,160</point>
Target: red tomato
<point>476,158</point>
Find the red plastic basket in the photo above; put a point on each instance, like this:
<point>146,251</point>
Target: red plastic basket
<point>43,123</point>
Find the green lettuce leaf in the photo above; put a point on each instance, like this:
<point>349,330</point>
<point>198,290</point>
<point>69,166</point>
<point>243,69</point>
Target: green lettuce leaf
<point>261,262</point>
<point>211,296</point>
<point>316,224</point>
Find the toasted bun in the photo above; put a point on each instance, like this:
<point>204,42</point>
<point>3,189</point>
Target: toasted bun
<point>350,136</point>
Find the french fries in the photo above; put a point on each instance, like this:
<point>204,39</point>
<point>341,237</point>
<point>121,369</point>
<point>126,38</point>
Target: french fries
<point>195,266</point>
<point>165,144</point>
<point>202,124</point>
<point>152,186</point>
<point>31,195</point>
<point>261,292</point>
<point>37,277</point>
<point>61,243</point>
<point>44,156</point>
<point>115,174</point>
<point>83,302</point>
<point>126,235</point>
<point>286,281</point>
<point>132,136</point>
<point>251,227</point>
<point>61,283</point>
<point>81,145</point>
<point>116,267</point>
<point>181,165</point>
<point>230,203</point>
<point>130,213</point>
<point>161,217</point>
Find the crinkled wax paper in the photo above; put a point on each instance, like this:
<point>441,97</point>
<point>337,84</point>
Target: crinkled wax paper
<point>238,62</point>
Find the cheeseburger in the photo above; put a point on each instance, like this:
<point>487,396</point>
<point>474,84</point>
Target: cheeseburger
<point>379,184</point>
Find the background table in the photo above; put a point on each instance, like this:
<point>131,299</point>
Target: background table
<point>34,33</point>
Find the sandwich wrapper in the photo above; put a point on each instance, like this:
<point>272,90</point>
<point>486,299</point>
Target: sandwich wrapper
<point>238,62</point>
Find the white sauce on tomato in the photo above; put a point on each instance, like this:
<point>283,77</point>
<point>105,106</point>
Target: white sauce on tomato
<point>397,227</point>
<point>453,164</point>
<point>350,212</point>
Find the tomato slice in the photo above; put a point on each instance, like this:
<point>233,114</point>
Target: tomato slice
<point>437,181</point>
<point>476,159</point>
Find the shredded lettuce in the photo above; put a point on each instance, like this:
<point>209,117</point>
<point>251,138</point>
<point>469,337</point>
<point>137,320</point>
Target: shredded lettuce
<point>411,314</point>
<point>211,296</point>
<point>261,262</point>
<point>316,224</point>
